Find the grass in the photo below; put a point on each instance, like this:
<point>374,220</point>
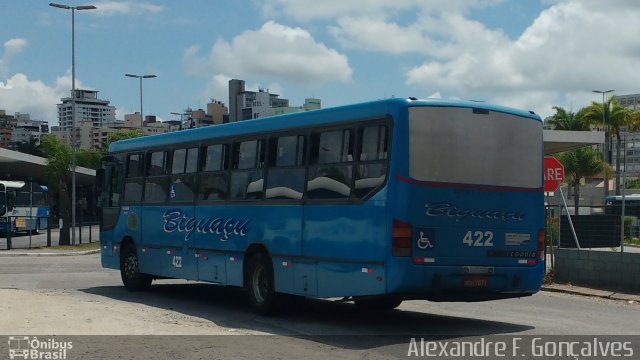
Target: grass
<point>632,241</point>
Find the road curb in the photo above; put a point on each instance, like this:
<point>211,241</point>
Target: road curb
<point>11,253</point>
<point>593,293</point>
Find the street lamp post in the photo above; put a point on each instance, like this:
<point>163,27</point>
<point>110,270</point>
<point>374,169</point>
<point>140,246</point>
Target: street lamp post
<point>604,148</point>
<point>150,76</point>
<point>73,111</point>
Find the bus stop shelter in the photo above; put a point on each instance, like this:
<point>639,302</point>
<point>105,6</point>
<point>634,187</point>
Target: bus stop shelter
<point>19,166</point>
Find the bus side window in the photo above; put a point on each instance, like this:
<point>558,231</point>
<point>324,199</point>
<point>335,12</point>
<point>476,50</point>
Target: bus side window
<point>247,172</point>
<point>156,185</point>
<point>372,155</point>
<point>183,177</point>
<point>214,178</point>
<point>331,165</point>
<point>133,182</point>
<point>286,172</point>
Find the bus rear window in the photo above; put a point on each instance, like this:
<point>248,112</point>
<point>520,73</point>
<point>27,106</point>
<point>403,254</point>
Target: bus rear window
<point>458,145</point>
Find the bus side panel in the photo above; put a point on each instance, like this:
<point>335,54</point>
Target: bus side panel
<point>174,258</point>
<point>230,230</point>
<point>337,279</point>
<point>346,239</point>
<point>107,256</point>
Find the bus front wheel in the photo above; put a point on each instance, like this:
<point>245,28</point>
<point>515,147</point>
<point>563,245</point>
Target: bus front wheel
<point>132,279</point>
<point>260,284</point>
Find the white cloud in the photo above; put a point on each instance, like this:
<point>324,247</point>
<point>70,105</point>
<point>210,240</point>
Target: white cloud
<point>378,35</point>
<point>327,9</point>
<point>570,49</point>
<point>273,51</point>
<point>12,47</point>
<point>217,87</point>
<point>111,8</point>
<point>39,100</point>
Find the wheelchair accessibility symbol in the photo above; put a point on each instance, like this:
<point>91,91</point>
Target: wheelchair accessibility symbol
<point>426,240</point>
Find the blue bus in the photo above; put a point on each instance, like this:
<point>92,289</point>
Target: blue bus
<point>613,205</point>
<point>376,202</point>
<point>23,206</point>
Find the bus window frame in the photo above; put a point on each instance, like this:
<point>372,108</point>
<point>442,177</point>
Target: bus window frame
<point>354,126</point>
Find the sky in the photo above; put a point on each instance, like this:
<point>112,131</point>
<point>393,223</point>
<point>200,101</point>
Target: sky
<point>528,54</point>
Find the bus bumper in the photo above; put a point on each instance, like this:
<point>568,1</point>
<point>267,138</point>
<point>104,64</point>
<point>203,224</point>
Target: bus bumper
<point>454,283</point>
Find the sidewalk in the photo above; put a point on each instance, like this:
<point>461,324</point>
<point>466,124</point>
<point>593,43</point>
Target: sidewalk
<point>45,252</point>
<point>578,290</point>
<point>23,241</point>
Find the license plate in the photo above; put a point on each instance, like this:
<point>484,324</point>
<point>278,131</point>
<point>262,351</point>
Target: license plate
<point>476,281</point>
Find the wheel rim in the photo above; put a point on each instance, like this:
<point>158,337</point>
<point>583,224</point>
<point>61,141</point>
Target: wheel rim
<point>130,267</point>
<point>260,284</point>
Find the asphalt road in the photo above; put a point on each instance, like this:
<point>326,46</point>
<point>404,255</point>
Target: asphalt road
<point>315,329</point>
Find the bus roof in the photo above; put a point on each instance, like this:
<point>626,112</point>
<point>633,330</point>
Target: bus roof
<point>626,197</point>
<point>334,115</point>
<point>12,184</point>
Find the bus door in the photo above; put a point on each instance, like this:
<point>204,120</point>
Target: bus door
<point>109,180</point>
<point>168,217</point>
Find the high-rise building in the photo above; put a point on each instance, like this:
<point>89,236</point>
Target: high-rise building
<point>245,105</point>
<point>87,108</point>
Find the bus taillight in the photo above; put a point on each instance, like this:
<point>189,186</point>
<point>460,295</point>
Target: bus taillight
<point>401,234</point>
<point>541,244</point>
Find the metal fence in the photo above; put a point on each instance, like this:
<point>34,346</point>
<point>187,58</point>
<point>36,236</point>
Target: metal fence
<point>594,227</point>
<point>17,236</point>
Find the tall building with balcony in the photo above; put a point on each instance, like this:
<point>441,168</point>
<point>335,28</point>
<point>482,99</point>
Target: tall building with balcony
<point>87,108</point>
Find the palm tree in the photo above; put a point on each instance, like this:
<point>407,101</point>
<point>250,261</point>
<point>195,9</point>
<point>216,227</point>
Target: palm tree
<point>579,163</point>
<point>568,120</point>
<point>615,117</point>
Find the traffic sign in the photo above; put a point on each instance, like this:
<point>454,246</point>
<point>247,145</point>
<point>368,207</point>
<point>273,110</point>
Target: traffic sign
<point>553,173</point>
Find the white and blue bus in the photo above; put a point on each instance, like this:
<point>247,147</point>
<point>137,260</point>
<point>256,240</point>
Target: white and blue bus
<point>375,202</point>
<point>23,207</point>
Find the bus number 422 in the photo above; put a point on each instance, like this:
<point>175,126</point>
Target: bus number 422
<point>478,238</point>
<point>177,261</point>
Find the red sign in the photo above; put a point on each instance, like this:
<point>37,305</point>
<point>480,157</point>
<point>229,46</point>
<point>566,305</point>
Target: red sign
<point>553,173</point>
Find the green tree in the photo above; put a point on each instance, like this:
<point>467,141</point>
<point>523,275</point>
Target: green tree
<point>615,117</point>
<point>568,120</point>
<point>30,147</point>
<point>120,135</point>
<point>57,171</point>
<point>579,163</point>
<point>89,158</point>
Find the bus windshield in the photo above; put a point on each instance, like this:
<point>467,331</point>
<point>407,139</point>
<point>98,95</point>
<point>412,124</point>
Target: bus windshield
<point>466,146</point>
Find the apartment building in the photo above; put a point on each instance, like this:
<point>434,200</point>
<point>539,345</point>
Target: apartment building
<point>87,108</point>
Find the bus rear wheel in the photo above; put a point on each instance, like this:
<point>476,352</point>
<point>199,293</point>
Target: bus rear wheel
<point>132,279</point>
<point>260,284</point>
<point>377,304</point>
